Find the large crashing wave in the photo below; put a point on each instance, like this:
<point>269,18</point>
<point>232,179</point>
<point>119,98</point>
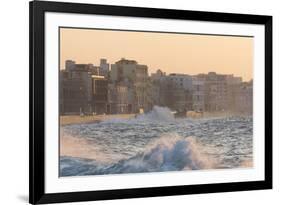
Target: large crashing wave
<point>157,114</point>
<point>168,153</point>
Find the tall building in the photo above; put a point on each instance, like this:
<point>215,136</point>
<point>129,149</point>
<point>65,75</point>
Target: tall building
<point>233,87</point>
<point>99,95</point>
<point>181,93</point>
<point>118,98</point>
<point>69,65</point>
<point>216,97</point>
<point>135,76</point>
<point>76,88</point>
<point>244,98</point>
<point>104,67</point>
<point>174,90</point>
<point>198,93</point>
<point>182,81</point>
<point>75,92</point>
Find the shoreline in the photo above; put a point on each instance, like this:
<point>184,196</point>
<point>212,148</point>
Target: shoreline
<point>77,119</point>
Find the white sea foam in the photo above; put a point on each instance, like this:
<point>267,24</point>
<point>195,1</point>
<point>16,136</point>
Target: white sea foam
<point>157,114</point>
<point>171,152</point>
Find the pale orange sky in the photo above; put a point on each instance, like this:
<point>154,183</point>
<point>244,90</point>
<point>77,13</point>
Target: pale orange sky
<point>172,53</point>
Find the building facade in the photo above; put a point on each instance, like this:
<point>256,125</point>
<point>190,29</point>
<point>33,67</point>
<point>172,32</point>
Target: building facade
<point>215,92</point>
<point>104,68</point>
<point>198,93</point>
<point>173,91</point>
<point>244,98</point>
<point>76,88</point>
<point>99,95</point>
<point>75,92</point>
<point>135,77</point>
<point>119,99</point>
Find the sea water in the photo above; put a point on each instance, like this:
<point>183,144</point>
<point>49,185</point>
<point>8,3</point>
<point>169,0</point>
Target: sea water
<point>155,142</point>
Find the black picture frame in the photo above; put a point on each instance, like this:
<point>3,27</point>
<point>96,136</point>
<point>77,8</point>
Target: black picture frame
<point>37,9</point>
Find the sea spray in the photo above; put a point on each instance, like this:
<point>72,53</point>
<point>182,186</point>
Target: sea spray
<point>156,115</point>
<point>83,148</point>
<point>168,153</point>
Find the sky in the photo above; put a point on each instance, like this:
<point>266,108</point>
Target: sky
<point>169,52</point>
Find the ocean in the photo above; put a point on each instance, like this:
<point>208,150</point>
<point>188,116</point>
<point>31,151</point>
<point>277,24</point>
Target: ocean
<point>155,142</point>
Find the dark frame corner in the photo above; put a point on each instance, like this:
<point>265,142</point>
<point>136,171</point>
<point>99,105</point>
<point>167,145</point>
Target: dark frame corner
<point>37,10</point>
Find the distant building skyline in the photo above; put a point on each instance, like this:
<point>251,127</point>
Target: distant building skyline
<point>171,53</point>
<point>127,89</point>
<point>72,64</point>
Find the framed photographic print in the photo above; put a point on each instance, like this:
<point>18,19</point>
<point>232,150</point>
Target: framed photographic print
<point>140,102</point>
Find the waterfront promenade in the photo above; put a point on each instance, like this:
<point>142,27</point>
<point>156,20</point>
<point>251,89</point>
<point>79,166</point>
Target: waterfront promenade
<point>77,119</point>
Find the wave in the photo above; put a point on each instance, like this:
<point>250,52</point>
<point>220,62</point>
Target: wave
<point>168,153</point>
<point>157,114</point>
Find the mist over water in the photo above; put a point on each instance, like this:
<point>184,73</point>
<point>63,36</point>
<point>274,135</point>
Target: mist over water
<point>155,142</point>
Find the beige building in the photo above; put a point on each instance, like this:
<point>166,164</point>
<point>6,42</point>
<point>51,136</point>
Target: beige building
<point>198,93</point>
<point>119,99</point>
<point>135,76</point>
<point>244,98</point>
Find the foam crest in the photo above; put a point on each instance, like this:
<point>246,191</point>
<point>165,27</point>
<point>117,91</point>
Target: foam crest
<point>168,153</point>
<point>157,114</point>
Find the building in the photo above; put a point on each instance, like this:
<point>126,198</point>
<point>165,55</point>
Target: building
<point>182,81</point>
<point>214,92</point>
<point>119,99</point>
<point>233,87</point>
<point>244,98</point>
<point>135,77</point>
<point>198,93</point>
<point>71,66</point>
<point>157,76</point>
<point>76,88</point>
<point>104,67</point>
<point>155,88</point>
<point>75,92</point>
<point>182,91</point>
<point>174,90</point>
<point>99,95</point>
<point>127,88</point>
<point>216,97</point>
